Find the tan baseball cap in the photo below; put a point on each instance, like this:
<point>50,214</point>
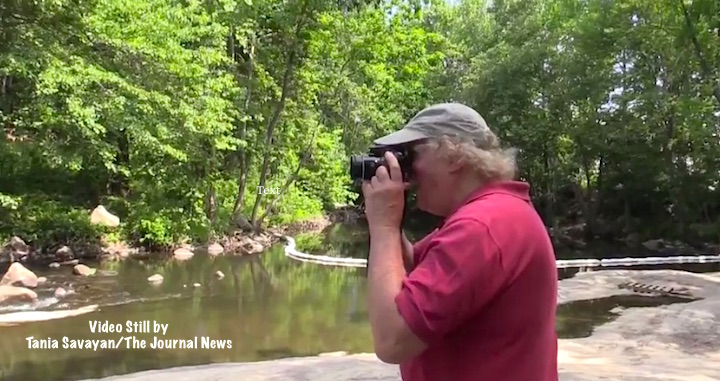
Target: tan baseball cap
<point>444,119</point>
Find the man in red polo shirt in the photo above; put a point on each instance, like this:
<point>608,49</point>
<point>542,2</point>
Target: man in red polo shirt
<point>479,301</point>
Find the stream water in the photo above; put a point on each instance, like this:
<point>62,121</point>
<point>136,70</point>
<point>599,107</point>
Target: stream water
<point>267,306</point>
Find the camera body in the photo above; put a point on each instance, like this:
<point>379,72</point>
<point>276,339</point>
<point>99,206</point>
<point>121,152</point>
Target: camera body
<point>363,167</point>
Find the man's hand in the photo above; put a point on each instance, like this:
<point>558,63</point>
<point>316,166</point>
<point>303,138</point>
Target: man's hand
<point>385,196</point>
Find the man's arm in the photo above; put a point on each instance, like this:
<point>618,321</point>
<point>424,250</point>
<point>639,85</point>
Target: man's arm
<point>394,341</point>
<point>461,273</point>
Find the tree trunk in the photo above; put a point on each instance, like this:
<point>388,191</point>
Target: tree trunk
<point>245,158</point>
<point>291,179</point>
<point>289,68</point>
<point>549,191</point>
<point>270,131</point>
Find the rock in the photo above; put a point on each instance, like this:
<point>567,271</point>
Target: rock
<point>83,270</point>
<point>14,318</point>
<point>155,278</point>
<point>18,246</point>
<point>100,216</point>
<point>667,342</point>
<point>182,254</point>
<point>41,280</point>
<point>250,246</point>
<point>654,244</point>
<point>9,294</point>
<point>72,262</point>
<point>215,249</point>
<point>219,274</point>
<point>196,284</point>
<point>17,273</point>
<point>60,292</point>
<point>632,239</point>
<point>15,249</point>
<point>275,233</point>
<point>64,253</point>
<point>54,265</point>
<point>308,226</point>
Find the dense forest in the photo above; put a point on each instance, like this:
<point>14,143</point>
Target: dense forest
<point>171,113</point>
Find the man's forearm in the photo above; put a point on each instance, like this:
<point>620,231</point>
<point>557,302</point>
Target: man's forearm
<point>385,275</point>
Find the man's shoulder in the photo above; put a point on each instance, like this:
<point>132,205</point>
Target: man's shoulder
<point>490,208</point>
<point>463,225</point>
<point>456,227</point>
<point>463,220</point>
<point>499,216</point>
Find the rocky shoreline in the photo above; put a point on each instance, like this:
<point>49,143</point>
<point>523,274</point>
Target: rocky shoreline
<point>238,242</point>
<point>678,341</point>
<point>18,282</point>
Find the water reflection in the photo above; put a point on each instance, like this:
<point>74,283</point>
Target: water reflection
<point>579,318</point>
<point>268,306</point>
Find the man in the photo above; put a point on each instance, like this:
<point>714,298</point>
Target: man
<point>479,302</point>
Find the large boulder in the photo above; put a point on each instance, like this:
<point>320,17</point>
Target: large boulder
<point>251,246</point>
<point>18,246</point>
<point>14,249</point>
<point>84,270</point>
<point>64,253</point>
<point>100,216</point>
<point>18,274</point>
<point>215,249</point>
<point>10,294</point>
<point>182,254</point>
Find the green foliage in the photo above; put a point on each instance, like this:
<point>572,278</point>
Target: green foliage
<point>309,243</point>
<point>45,223</point>
<point>298,206</point>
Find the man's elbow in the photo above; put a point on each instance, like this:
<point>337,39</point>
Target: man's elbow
<point>389,354</point>
<point>398,350</point>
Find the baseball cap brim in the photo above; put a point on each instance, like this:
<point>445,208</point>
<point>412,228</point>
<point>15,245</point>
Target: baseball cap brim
<point>403,136</point>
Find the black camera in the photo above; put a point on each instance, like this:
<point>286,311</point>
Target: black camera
<point>363,167</point>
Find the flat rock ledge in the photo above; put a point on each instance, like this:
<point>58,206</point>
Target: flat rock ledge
<point>679,341</point>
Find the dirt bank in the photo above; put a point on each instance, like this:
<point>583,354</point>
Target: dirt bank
<point>672,342</point>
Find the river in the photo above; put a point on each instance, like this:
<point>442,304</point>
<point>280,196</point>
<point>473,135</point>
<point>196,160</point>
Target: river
<point>267,306</point>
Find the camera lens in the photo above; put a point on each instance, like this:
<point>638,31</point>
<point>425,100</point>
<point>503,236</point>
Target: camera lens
<point>363,167</point>
<point>356,167</point>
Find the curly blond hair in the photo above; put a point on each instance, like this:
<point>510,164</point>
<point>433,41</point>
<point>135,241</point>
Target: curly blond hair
<point>484,158</point>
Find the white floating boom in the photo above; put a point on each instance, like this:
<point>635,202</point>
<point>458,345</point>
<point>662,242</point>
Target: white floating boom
<point>290,251</point>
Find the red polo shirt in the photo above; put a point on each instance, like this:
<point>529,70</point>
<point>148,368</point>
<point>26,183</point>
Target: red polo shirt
<point>483,293</point>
